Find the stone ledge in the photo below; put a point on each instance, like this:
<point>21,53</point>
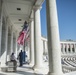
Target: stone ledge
<point>8,69</point>
<point>4,69</point>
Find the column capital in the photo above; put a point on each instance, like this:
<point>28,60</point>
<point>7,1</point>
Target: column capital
<point>31,19</point>
<point>36,7</point>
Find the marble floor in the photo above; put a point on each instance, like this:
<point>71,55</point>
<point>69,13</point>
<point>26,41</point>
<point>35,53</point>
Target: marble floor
<point>27,70</point>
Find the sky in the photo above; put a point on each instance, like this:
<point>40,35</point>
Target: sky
<point>66,10</point>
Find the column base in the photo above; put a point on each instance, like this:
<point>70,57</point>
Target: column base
<point>55,73</point>
<point>31,65</point>
<point>41,70</point>
<point>8,57</point>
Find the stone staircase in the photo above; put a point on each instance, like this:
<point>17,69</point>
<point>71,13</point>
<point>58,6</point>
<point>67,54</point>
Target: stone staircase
<point>68,64</point>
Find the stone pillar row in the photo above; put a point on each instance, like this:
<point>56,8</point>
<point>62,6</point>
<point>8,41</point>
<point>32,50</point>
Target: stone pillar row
<point>6,40</point>
<point>67,45</point>
<point>53,40</point>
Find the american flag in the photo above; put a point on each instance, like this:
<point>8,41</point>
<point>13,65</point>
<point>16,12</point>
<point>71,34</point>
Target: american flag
<point>22,34</point>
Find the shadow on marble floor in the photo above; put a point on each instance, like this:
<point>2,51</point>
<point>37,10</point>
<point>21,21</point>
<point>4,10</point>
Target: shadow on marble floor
<point>2,74</point>
<point>27,73</point>
<point>24,73</point>
<point>24,70</point>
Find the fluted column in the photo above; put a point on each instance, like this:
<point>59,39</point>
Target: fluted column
<point>53,39</point>
<point>37,40</point>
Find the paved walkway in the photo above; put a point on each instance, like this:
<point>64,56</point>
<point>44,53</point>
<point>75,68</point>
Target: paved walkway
<point>26,70</point>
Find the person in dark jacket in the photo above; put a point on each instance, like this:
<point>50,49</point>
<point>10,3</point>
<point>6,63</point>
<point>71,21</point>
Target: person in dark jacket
<point>24,56</point>
<point>21,58</point>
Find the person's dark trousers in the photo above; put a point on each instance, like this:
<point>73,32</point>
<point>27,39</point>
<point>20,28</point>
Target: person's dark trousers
<point>21,63</point>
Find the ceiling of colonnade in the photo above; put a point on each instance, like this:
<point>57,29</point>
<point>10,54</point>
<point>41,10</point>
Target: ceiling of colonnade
<point>19,10</point>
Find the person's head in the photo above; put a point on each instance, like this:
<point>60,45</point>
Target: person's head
<point>21,50</point>
<point>12,53</point>
<point>25,22</point>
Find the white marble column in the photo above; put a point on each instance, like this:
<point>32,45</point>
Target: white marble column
<point>32,39</point>
<point>9,45</point>
<point>14,42</point>
<point>67,48</point>
<point>32,43</point>
<point>4,43</point>
<point>28,52</point>
<point>16,48</point>
<point>37,40</point>
<point>46,48</point>
<point>63,48</point>
<point>1,18</point>
<point>43,41</point>
<point>71,48</point>
<point>75,48</point>
<point>11,40</point>
<point>53,39</point>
